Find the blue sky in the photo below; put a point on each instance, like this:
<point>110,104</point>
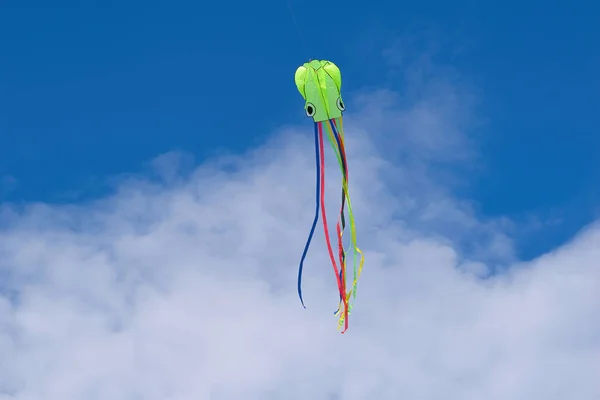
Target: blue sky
<point>91,91</point>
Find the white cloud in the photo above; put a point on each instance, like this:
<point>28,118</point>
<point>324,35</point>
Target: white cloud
<point>186,288</point>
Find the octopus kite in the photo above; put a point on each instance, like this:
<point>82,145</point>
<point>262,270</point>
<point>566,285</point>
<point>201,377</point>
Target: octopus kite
<point>319,83</point>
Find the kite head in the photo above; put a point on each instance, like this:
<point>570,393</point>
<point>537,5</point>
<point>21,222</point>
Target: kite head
<point>319,82</point>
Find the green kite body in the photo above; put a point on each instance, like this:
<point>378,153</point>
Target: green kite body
<point>319,82</point>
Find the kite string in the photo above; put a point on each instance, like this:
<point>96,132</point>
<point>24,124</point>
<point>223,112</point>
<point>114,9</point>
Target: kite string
<point>316,218</point>
<point>298,30</point>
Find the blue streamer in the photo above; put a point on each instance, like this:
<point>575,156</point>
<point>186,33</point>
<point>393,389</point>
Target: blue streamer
<point>314,224</point>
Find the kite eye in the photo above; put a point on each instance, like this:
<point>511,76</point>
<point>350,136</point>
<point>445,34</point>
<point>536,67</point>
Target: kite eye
<point>340,104</point>
<point>310,110</point>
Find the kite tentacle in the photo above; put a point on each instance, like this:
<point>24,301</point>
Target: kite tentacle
<point>324,216</point>
<point>341,224</point>
<point>342,254</point>
<point>338,140</point>
<point>316,218</point>
<point>357,272</point>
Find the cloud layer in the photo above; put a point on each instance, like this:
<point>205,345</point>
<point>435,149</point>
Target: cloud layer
<point>185,288</point>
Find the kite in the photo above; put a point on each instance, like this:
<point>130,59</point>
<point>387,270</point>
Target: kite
<point>319,83</point>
